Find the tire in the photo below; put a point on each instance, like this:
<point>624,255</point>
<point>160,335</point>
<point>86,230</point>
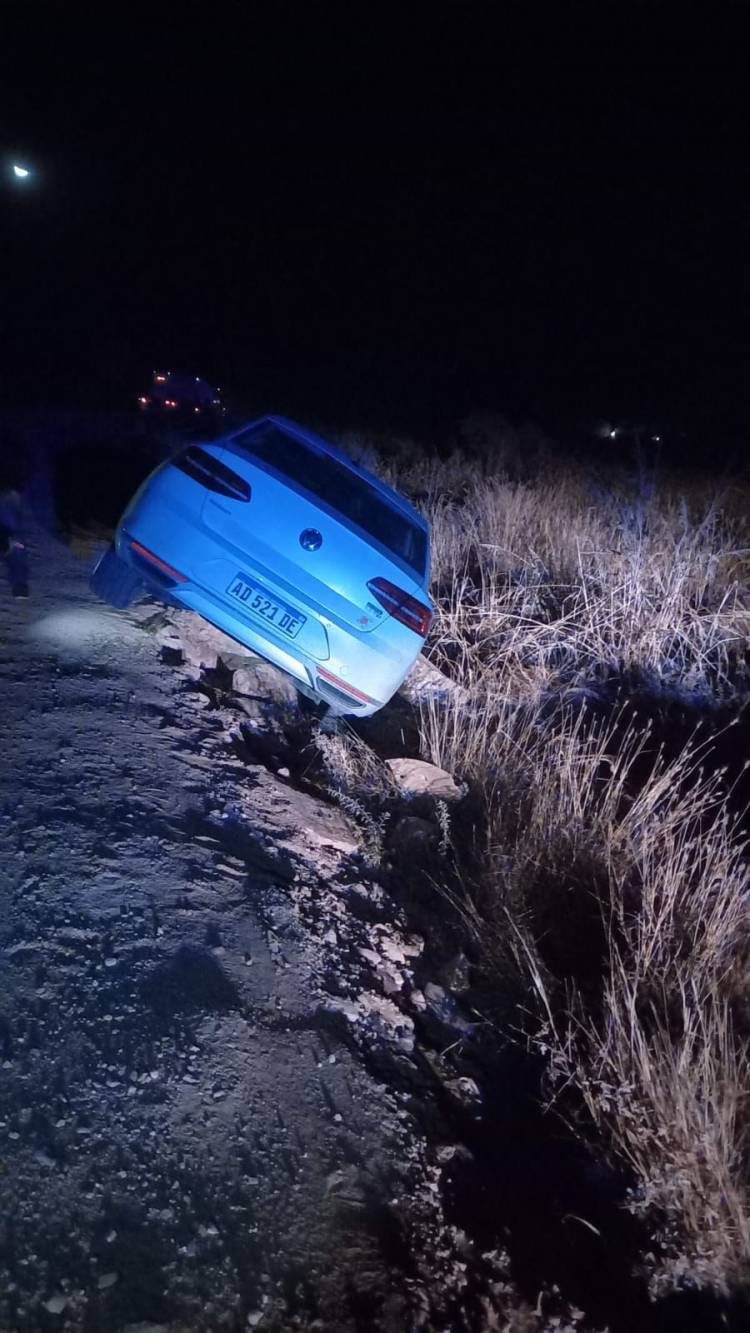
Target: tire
<point>114,581</point>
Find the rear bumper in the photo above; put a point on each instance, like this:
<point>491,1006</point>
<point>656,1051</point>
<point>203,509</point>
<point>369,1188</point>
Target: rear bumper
<point>307,672</point>
<point>214,610</point>
<point>328,685</point>
<point>352,672</point>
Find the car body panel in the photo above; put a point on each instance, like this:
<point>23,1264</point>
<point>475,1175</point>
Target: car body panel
<point>216,516</point>
<point>335,572</point>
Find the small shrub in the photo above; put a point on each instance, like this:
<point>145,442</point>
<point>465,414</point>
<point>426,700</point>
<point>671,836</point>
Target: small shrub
<point>360,783</point>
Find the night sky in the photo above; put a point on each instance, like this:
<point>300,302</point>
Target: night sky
<point>390,221</point>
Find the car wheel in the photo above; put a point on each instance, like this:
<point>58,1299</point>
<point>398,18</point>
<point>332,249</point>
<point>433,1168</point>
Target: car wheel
<point>114,581</point>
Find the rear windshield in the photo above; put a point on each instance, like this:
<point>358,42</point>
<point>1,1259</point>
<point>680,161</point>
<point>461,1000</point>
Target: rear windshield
<point>331,482</point>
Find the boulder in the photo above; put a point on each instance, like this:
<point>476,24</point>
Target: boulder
<point>171,645</point>
<point>258,679</point>
<point>466,1092</point>
<point>301,819</point>
<point>416,777</point>
<point>443,1007</point>
<point>203,645</point>
<point>425,681</point>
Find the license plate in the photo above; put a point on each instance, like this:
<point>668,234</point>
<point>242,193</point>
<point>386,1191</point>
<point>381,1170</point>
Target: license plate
<point>256,599</point>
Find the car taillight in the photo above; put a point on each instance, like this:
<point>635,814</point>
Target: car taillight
<point>156,560</point>
<point>212,474</point>
<point>402,606</point>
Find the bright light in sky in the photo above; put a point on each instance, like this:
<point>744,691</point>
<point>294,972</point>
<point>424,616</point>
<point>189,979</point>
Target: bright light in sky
<point>20,171</point>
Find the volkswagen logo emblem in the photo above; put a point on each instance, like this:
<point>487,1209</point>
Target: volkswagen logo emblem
<point>310,539</point>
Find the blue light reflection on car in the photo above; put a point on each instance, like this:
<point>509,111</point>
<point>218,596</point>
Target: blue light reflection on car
<point>275,536</point>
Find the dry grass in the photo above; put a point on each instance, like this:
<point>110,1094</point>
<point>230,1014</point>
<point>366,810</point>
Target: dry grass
<point>610,875</point>
<point>360,784</point>
<point>550,582</point>
<point>655,1054</point>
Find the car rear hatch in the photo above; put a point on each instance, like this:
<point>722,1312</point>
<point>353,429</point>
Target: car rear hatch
<point>312,530</point>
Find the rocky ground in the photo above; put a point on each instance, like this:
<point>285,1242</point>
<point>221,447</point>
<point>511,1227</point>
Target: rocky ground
<point>212,1018</point>
<point>249,1076</point>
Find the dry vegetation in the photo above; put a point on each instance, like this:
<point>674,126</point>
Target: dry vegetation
<point>610,872</point>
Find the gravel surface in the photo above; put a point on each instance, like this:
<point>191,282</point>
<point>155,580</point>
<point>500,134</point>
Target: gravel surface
<point>190,1137</point>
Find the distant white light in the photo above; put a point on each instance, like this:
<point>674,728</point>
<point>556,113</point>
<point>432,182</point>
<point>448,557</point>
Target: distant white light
<point>656,439</point>
<point>613,434</point>
<point>21,172</point>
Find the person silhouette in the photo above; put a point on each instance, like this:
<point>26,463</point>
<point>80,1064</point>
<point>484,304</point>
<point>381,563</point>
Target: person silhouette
<point>12,546</point>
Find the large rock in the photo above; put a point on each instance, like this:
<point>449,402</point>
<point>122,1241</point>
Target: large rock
<point>378,1014</point>
<point>416,777</point>
<point>426,681</point>
<point>444,1009</point>
<point>258,679</point>
<point>323,826</point>
<point>204,646</point>
<point>300,822</point>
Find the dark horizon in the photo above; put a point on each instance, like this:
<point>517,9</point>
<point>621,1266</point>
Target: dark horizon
<point>386,228</point>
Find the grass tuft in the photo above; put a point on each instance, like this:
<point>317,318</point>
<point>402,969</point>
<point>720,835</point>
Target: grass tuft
<point>607,873</point>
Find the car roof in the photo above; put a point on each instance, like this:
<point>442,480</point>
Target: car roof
<point>310,436</point>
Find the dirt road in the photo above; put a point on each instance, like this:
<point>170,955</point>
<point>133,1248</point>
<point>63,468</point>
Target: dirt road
<point>185,1140</point>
